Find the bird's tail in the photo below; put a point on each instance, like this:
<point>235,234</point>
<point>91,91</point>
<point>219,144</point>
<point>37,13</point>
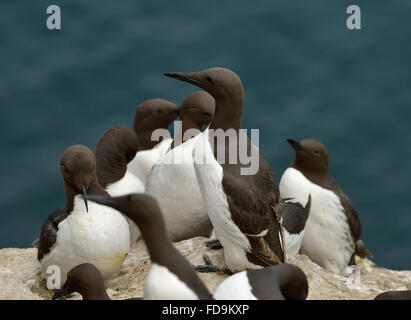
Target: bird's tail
<point>361,250</point>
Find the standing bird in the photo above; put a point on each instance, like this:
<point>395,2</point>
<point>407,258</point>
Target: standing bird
<point>333,230</point>
<point>115,149</point>
<point>172,181</point>
<point>241,207</point>
<point>151,115</point>
<point>172,277</point>
<point>81,231</point>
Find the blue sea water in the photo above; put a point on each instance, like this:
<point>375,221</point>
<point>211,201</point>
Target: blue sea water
<point>305,75</point>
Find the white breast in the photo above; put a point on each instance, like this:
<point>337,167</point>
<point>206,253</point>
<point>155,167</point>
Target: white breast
<point>293,242</point>
<point>128,184</point>
<point>236,287</point>
<point>327,239</point>
<point>100,236</point>
<point>144,160</point>
<point>210,175</point>
<point>174,185</point>
<point>161,284</point>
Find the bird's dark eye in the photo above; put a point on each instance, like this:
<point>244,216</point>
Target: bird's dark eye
<point>130,197</point>
<point>209,79</point>
<point>159,111</point>
<point>316,152</point>
<point>207,114</point>
<point>66,171</point>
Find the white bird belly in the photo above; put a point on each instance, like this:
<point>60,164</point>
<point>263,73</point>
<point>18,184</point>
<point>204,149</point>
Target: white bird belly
<point>327,239</point>
<point>174,185</point>
<point>100,236</point>
<point>236,287</point>
<point>161,284</point>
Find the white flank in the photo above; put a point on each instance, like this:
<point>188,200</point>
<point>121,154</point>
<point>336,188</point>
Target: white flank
<point>100,236</point>
<point>161,284</point>
<point>327,239</point>
<point>173,183</point>
<point>236,287</point>
<point>128,184</point>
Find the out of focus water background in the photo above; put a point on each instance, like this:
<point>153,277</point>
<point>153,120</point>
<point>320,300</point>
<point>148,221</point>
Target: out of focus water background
<point>305,75</point>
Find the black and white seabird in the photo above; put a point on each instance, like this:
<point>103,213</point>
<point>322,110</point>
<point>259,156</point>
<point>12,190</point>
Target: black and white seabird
<point>151,115</point>
<point>81,231</point>
<point>293,217</point>
<point>242,208</point>
<point>85,279</point>
<point>172,277</point>
<point>172,181</point>
<point>279,282</point>
<point>115,149</point>
<point>333,229</point>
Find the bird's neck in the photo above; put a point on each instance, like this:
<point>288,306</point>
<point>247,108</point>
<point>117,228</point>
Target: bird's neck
<point>145,141</point>
<point>186,124</point>
<point>111,165</point>
<point>228,113</point>
<point>72,192</point>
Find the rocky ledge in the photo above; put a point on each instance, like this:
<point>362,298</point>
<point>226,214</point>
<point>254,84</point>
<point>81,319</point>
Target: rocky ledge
<point>20,275</point>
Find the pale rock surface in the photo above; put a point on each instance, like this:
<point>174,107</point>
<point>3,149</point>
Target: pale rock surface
<point>20,275</point>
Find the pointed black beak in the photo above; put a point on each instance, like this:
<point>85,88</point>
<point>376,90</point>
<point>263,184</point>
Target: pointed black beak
<point>84,190</point>
<point>182,77</point>
<point>100,199</point>
<point>60,293</point>
<point>295,144</point>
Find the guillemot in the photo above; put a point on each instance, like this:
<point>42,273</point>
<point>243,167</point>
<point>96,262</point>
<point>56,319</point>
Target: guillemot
<point>172,277</point>
<point>242,208</point>
<point>279,282</point>
<point>172,181</point>
<point>151,115</point>
<point>86,280</point>
<point>82,232</point>
<point>333,229</point>
<point>293,217</point>
<point>115,149</point>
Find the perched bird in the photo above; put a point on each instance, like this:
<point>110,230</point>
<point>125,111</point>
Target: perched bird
<point>333,230</point>
<point>293,217</point>
<point>81,231</point>
<point>172,277</point>
<point>172,181</point>
<point>241,204</point>
<point>85,279</point>
<point>279,282</point>
<point>151,115</point>
<point>88,281</point>
<point>394,295</point>
<point>115,149</point>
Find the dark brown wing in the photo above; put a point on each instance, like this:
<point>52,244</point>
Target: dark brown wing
<point>261,254</point>
<point>48,232</point>
<point>349,209</point>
